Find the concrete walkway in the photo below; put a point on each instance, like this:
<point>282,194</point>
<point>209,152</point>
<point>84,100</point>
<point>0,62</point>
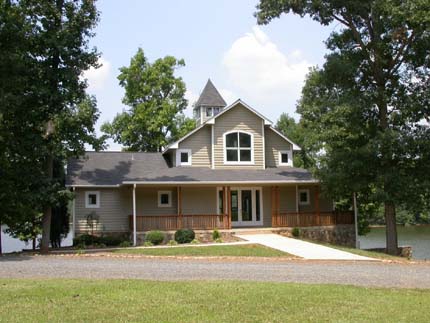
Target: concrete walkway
<point>306,250</point>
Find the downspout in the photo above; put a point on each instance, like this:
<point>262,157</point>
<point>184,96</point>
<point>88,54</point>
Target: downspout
<point>73,213</point>
<point>357,241</point>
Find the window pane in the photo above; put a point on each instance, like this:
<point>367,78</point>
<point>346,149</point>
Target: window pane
<point>245,155</point>
<point>245,140</point>
<point>246,205</point>
<point>208,112</point>
<point>92,199</point>
<point>234,206</point>
<point>232,155</point>
<point>303,197</point>
<point>164,199</point>
<point>231,140</point>
<point>257,205</point>
<point>184,157</point>
<point>284,158</point>
<point>220,202</point>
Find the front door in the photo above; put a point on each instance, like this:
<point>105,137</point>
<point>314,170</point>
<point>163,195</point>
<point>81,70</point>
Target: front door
<point>246,207</point>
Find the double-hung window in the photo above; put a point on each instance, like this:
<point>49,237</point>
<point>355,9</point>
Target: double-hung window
<point>238,148</point>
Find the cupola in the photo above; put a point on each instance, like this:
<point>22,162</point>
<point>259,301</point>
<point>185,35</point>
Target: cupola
<point>209,104</point>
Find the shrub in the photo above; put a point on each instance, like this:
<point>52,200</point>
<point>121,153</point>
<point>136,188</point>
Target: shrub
<point>295,232</point>
<point>85,239</point>
<point>148,244</point>
<point>172,243</point>
<point>184,236</point>
<point>195,241</point>
<point>125,244</point>
<point>110,241</point>
<point>155,237</point>
<point>219,240</point>
<point>216,235</point>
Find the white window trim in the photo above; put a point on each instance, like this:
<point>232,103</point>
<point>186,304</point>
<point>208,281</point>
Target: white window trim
<point>225,149</point>
<point>290,158</point>
<point>178,157</point>
<point>92,206</point>
<point>159,198</point>
<point>304,190</point>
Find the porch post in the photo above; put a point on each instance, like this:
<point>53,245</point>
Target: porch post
<point>74,213</point>
<point>228,207</point>
<point>224,207</point>
<point>179,195</point>
<point>275,205</point>
<point>317,204</point>
<point>297,206</point>
<point>134,216</point>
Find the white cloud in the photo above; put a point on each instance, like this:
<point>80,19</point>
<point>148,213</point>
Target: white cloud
<point>228,96</point>
<point>97,77</point>
<point>264,75</point>
<point>192,98</point>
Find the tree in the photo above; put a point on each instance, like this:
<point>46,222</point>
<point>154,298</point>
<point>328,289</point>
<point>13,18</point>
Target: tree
<point>46,115</point>
<point>156,99</point>
<point>367,104</point>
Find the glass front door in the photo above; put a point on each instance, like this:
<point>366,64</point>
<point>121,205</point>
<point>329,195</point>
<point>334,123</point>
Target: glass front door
<point>246,206</point>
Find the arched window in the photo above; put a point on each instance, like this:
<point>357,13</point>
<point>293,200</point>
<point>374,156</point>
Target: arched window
<point>238,147</point>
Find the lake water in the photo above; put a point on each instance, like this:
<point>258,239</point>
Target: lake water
<point>418,237</point>
<point>10,244</point>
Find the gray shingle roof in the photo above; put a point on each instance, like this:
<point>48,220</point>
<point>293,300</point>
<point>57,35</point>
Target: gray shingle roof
<point>210,96</point>
<point>116,168</point>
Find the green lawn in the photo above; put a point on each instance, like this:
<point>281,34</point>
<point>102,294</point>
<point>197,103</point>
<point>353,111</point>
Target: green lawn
<point>147,301</point>
<point>249,250</point>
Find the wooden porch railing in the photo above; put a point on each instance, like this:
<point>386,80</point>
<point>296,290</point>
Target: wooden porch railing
<point>175,222</point>
<point>312,219</point>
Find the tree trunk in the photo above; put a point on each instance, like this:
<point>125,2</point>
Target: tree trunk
<point>391,228</point>
<point>34,244</point>
<point>47,213</point>
<point>1,250</point>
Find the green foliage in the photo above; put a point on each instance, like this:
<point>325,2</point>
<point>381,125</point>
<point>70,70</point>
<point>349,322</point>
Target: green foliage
<point>364,108</point>
<point>91,240</point>
<point>184,235</point>
<point>44,52</point>
<point>156,100</point>
<point>195,241</point>
<point>218,240</point>
<point>155,237</point>
<point>295,232</point>
<point>125,244</point>
<point>215,234</point>
<point>172,243</point>
<point>148,244</point>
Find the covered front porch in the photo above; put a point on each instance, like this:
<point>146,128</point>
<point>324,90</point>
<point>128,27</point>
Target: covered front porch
<point>170,208</point>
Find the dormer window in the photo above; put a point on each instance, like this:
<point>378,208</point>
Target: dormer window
<point>285,158</point>
<point>238,148</point>
<point>183,157</point>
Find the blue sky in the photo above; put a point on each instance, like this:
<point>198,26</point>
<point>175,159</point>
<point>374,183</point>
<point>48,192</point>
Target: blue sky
<point>263,65</point>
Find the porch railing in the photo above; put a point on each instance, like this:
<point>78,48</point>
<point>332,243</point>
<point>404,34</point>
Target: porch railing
<point>312,219</point>
<point>175,222</point>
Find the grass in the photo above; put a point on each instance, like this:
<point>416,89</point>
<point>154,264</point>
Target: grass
<point>248,250</point>
<point>149,301</point>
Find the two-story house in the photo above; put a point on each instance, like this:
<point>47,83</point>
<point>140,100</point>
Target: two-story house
<point>234,170</point>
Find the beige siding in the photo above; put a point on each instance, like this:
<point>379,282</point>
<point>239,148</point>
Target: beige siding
<point>199,200</point>
<point>325,203</point>
<point>238,118</point>
<point>200,145</point>
<point>287,197</point>
<point>273,144</point>
<point>147,201</point>
<point>115,207</point>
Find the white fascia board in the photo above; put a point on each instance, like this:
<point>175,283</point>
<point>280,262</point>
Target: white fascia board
<point>88,186</point>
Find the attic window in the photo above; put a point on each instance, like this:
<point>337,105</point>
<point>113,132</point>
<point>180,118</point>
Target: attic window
<point>183,157</point>
<point>285,158</point>
<point>212,111</point>
<point>92,199</point>
<point>238,148</point>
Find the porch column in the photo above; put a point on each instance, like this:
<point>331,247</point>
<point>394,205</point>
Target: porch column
<point>179,195</point>
<point>228,208</point>
<point>317,204</point>
<point>134,216</point>
<point>297,206</point>
<point>224,207</point>
<point>275,205</point>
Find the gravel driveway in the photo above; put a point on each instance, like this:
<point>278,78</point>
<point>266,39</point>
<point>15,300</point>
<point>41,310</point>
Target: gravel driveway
<point>334,272</point>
